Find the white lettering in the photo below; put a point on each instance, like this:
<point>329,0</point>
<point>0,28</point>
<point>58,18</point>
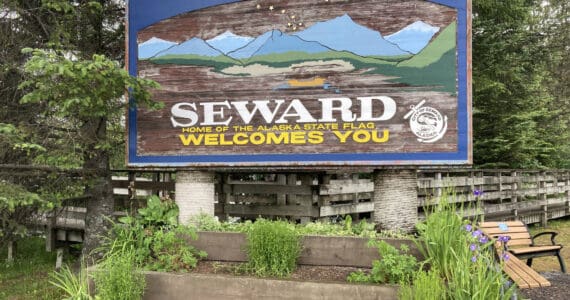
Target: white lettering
<point>210,114</point>
<point>344,109</point>
<point>178,111</point>
<point>261,106</point>
<point>367,108</point>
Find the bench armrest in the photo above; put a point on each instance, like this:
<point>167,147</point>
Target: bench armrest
<point>552,234</point>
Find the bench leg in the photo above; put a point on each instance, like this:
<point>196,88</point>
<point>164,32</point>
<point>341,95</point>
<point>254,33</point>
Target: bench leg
<point>561,261</point>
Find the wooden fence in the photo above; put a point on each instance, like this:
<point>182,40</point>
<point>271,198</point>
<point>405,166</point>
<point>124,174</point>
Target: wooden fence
<point>532,196</point>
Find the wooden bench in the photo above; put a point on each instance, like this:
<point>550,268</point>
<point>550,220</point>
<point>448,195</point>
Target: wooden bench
<point>521,244</point>
<point>524,276</point>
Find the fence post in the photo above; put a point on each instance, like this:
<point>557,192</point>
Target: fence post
<point>515,213</point>
<point>501,196</point>
<point>438,183</point>
<point>567,189</point>
<point>514,187</point>
<point>541,186</point>
<point>11,250</point>
<point>544,215</point>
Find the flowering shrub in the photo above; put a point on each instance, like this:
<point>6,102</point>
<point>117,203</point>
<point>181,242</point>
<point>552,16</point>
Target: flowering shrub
<point>461,253</point>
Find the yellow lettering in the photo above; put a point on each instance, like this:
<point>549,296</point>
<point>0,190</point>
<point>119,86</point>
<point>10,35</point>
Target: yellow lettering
<point>191,139</point>
<point>273,138</point>
<point>342,136</point>
<point>315,137</point>
<point>240,138</point>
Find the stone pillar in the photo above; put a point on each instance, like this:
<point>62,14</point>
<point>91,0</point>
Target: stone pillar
<point>396,199</point>
<point>195,194</point>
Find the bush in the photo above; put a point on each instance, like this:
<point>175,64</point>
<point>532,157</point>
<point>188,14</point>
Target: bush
<point>272,248</point>
<point>425,286</point>
<point>118,277</point>
<point>157,242</point>
<point>393,267</point>
<point>464,257</point>
<point>75,286</point>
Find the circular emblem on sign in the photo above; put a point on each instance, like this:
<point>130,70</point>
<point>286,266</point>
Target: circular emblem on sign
<point>426,123</point>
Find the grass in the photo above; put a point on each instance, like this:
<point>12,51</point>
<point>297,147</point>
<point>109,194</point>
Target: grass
<point>27,277</point>
<point>550,263</point>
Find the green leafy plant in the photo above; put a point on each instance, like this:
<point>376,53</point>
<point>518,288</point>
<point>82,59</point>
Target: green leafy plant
<point>461,254</point>
<point>272,248</point>
<point>119,277</point>
<point>171,252</point>
<point>159,212</point>
<point>75,286</point>
<point>425,286</point>
<point>395,266</point>
<point>157,241</point>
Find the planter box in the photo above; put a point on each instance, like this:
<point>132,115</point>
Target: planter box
<point>317,250</point>
<point>217,287</point>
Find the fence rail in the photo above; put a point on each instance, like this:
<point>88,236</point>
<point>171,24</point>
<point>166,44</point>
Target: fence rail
<point>532,196</point>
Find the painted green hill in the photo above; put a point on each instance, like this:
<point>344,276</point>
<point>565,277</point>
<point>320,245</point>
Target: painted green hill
<point>289,58</point>
<point>434,52</point>
<point>218,62</point>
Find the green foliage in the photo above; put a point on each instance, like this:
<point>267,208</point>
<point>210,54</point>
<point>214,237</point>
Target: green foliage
<point>17,205</point>
<point>171,252</point>
<point>28,275</point>
<point>345,227</point>
<point>510,69</point>
<point>81,88</point>
<point>272,248</point>
<point>157,242</point>
<point>394,266</point>
<point>463,257</point>
<point>75,286</point>
<point>162,213</point>
<point>425,286</point>
<point>118,277</point>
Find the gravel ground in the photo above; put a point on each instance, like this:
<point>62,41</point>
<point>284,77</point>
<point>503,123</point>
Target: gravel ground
<point>559,290</point>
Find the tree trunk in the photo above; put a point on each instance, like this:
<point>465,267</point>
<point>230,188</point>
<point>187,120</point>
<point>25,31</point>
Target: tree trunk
<point>99,186</point>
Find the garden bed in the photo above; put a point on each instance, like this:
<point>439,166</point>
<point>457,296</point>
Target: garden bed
<point>213,286</point>
<point>316,250</point>
<point>323,266</point>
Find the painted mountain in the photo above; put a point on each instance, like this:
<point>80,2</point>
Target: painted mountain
<point>277,42</point>
<point>414,37</point>
<point>418,55</point>
<point>228,42</point>
<point>153,46</point>
<point>195,46</point>
<point>343,34</point>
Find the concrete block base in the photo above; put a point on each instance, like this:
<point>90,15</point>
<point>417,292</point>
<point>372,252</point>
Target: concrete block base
<point>195,194</point>
<point>217,287</point>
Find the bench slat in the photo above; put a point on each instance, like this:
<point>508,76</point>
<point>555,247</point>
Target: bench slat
<point>523,275</point>
<point>528,278</point>
<point>534,249</point>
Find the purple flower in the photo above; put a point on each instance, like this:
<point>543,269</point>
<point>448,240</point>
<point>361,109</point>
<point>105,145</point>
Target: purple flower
<point>477,233</point>
<point>477,193</point>
<point>468,227</point>
<point>504,238</point>
<point>505,256</point>
<point>474,259</point>
<point>472,247</point>
<point>483,239</point>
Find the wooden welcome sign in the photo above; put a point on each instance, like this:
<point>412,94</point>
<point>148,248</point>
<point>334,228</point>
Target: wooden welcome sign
<point>301,82</point>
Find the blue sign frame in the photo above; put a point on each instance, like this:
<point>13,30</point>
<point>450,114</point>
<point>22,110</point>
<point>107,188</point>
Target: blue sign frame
<point>143,13</point>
